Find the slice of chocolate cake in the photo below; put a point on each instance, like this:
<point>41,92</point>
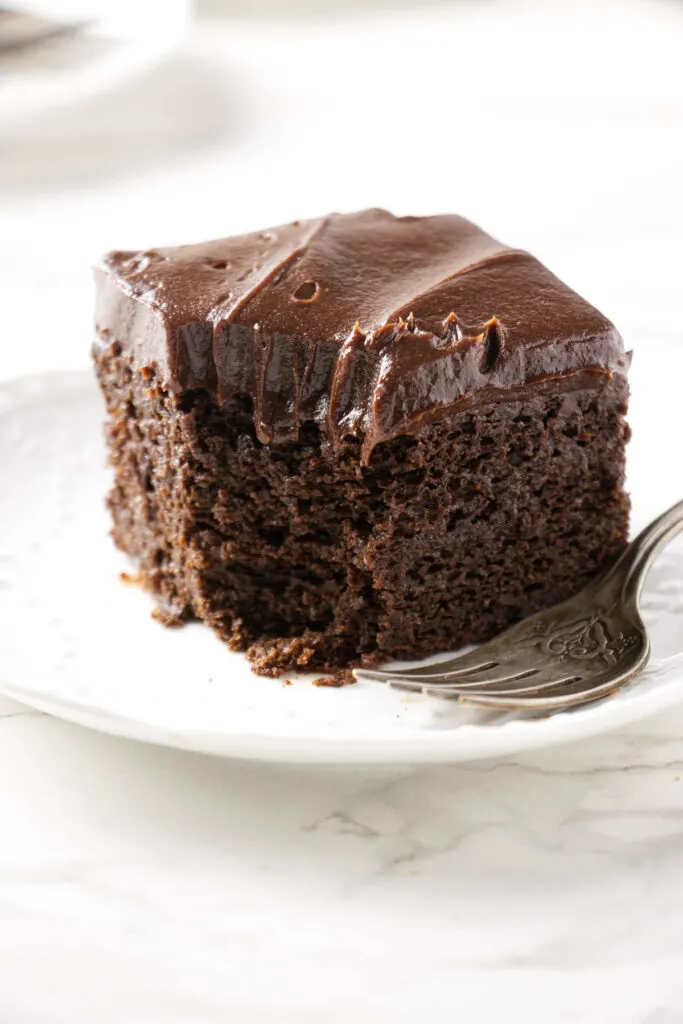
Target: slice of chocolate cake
<point>361,437</point>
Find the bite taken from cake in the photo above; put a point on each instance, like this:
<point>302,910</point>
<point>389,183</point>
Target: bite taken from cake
<point>358,438</point>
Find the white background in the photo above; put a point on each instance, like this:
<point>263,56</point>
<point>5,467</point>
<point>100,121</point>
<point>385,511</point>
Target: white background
<point>142,885</point>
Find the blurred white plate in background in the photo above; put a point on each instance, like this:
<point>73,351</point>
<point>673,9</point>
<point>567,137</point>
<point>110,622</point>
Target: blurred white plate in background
<point>108,44</point>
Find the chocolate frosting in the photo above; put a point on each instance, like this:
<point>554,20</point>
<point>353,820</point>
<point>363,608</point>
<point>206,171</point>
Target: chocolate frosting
<point>367,323</point>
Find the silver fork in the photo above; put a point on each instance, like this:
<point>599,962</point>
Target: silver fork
<point>578,651</point>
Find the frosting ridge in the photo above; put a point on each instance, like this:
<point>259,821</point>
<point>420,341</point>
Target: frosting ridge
<point>366,323</point>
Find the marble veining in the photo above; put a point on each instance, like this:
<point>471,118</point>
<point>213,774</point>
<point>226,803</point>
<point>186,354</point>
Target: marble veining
<point>178,883</point>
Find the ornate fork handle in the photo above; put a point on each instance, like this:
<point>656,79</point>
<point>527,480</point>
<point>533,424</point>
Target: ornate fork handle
<point>628,573</point>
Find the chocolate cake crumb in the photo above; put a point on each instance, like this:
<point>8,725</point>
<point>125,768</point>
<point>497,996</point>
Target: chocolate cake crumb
<point>131,579</point>
<point>169,616</point>
<point>344,677</point>
<point>274,657</point>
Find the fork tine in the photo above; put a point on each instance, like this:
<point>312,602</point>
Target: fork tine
<point>496,680</point>
<point>562,696</point>
<point>409,685</point>
<point>529,682</point>
<point>442,670</point>
<point>477,660</point>
<point>550,696</point>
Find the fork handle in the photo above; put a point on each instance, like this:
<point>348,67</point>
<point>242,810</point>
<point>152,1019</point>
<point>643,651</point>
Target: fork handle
<point>631,568</point>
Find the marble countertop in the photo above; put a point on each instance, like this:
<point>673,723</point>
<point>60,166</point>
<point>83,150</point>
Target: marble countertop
<point>140,885</point>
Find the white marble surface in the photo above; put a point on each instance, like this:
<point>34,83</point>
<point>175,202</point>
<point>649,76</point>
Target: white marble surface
<point>144,886</point>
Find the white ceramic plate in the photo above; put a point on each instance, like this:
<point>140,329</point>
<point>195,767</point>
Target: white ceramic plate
<point>77,642</point>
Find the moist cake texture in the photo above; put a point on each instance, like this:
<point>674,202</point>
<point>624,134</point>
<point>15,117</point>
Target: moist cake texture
<point>360,437</point>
